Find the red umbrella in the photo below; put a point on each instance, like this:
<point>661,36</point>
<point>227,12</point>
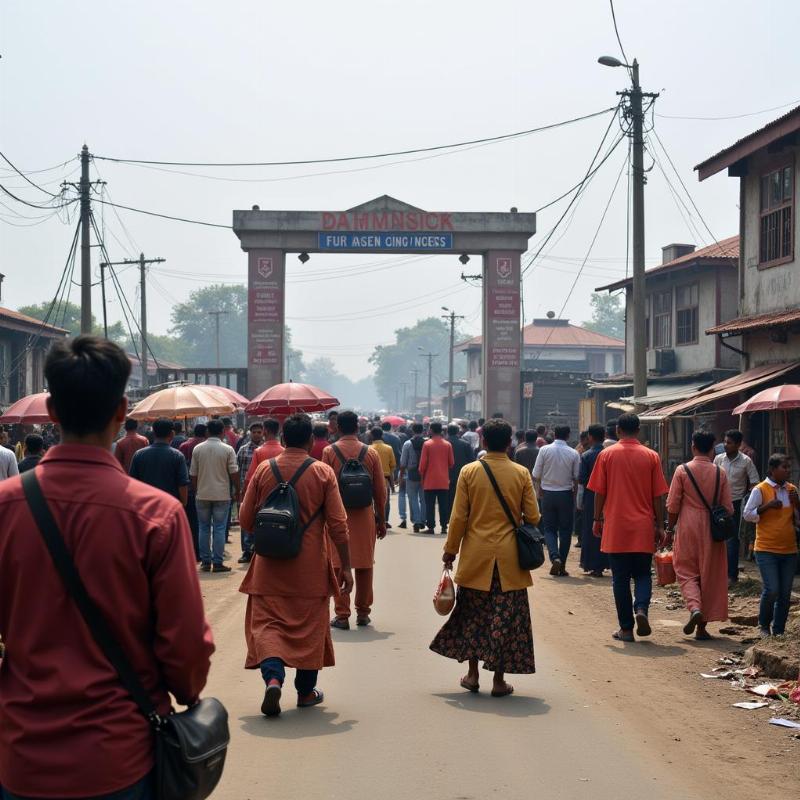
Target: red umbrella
<point>394,420</point>
<point>776,398</point>
<point>289,398</point>
<point>239,400</point>
<point>30,410</point>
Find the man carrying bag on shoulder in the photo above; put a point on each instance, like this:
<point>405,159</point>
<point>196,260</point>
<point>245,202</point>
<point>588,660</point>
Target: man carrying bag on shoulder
<point>70,727</point>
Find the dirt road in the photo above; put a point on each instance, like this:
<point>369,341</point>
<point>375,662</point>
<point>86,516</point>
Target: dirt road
<point>599,720</point>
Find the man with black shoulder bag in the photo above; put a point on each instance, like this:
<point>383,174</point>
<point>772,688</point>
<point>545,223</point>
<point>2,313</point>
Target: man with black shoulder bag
<point>100,612</point>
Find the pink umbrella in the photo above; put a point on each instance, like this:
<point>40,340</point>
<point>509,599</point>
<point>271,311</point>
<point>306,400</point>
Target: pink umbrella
<point>394,420</point>
<point>30,410</point>
<point>239,400</point>
<point>776,398</point>
<point>289,398</point>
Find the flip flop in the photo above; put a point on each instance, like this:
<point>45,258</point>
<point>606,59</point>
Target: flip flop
<point>642,624</point>
<point>318,698</point>
<point>620,636</point>
<point>271,707</point>
<point>503,692</point>
<point>470,687</point>
<point>695,617</point>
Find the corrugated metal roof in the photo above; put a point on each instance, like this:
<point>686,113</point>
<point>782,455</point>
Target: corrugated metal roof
<point>557,335</point>
<point>668,392</point>
<point>757,322</point>
<point>726,251</point>
<point>748,145</point>
<point>7,313</point>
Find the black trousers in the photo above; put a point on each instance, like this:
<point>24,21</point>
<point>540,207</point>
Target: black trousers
<point>191,515</point>
<point>432,496</point>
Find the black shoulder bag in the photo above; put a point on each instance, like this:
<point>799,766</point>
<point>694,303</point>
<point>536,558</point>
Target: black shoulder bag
<point>723,525</point>
<point>190,747</point>
<point>530,540</point>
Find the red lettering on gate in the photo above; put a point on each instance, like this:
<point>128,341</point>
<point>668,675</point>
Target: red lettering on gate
<point>444,222</point>
<point>328,221</point>
<point>380,221</point>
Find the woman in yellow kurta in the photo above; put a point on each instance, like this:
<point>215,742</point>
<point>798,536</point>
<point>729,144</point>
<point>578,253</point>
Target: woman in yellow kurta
<point>492,619</point>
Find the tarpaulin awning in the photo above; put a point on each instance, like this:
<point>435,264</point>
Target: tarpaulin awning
<point>718,391</point>
<point>668,392</point>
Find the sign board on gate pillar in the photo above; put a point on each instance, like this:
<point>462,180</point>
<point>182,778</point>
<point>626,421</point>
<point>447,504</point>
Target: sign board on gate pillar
<point>265,319</point>
<point>501,341</point>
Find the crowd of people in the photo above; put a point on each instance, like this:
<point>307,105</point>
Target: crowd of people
<point>142,511</point>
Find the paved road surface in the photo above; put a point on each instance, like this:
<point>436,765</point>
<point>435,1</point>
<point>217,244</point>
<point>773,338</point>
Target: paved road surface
<point>396,725</point>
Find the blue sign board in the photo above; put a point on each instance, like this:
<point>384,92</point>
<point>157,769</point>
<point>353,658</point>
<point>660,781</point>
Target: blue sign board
<point>383,240</point>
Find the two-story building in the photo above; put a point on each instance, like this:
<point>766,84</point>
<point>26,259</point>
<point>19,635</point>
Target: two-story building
<point>559,358</point>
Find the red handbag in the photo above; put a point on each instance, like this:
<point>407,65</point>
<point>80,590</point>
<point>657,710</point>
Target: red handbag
<point>665,571</point>
<point>444,598</point>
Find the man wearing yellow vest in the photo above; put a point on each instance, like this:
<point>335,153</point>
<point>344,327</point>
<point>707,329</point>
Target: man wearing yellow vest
<point>772,506</point>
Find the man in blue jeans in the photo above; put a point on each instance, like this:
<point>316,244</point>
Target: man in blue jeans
<point>555,477</point>
<point>212,470</point>
<point>629,517</point>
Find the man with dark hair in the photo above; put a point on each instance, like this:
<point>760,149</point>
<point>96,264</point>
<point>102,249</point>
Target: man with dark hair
<point>409,474</point>
<point>162,466</point>
<point>463,454</point>
<point>742,477</point>
<point>244,458</point>
<point>435,464</point>
<point>212,469</point>
<point>541,432</point>
<point>593,560</point>
<point>199,433</point>
<point>270,448</point>
<point>555,476</point>
<point>34,450</point>
<point>286,623</point>
<point>178,439</point>
<point>320,440</point>
<point>229,433</point>
<point>611,433</point>
<point>527,453</point>
<point>129,444</point>
<point>471,436</point>
<point>365,525</point>
<point>62,698</point>
<point>388,464</point>
<point>629,515</point>
<point>333,426</point>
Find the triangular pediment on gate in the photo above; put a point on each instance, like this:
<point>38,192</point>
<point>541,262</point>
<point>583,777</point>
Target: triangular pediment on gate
<point>383,203</point>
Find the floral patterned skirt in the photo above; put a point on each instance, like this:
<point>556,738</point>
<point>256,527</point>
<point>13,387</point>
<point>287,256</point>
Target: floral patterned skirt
<point>494,627</point>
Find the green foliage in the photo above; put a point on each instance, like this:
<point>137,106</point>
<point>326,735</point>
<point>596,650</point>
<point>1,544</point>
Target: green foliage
<point>608,315</point>
<point>393,363</point>
<point>68,316</point>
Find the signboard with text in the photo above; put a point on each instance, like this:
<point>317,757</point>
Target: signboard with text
<point>391,240</point>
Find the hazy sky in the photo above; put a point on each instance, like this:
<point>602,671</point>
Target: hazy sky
<point>254,81</point>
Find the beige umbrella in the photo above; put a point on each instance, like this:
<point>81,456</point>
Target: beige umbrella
<point>191,400</point>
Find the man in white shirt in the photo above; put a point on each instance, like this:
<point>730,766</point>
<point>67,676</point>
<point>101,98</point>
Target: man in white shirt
<point>8,464</point>
<point>742,477</point>
<point>471,436</point>
<point>212,469</point>
<point>555,477</point>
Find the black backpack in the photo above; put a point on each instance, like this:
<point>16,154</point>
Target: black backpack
<point>278,530</point>
<point>355,483</point>
<point>417,443</point>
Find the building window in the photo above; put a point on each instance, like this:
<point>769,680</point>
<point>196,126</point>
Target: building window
<point>617,363</point>
<point>687,314</point>
<point>777,194</point>
<point>647,322</point>
<point>662,319</point>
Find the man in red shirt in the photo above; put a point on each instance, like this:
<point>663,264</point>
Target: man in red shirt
<point>629,515</point>
<point>129,444</point>
<point>69,727</point>
<point>231,437</point>
<point>435,463</point>
<point>271,447</point>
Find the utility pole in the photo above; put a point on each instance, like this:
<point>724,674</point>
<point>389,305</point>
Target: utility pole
<point>403,386</point>
<point>452,316</point>
<point>142,262</point>
<point>415,373</point>
<point>635,113</point>
<point>430,357</point>
<point>86,252</point>
<point>216,315</point>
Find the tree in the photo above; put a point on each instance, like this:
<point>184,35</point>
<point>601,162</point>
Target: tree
<point>360,395</point>
<point>68,316</point>
<point>608,315</point>
<point>293,365</point>
<point>393,363</point>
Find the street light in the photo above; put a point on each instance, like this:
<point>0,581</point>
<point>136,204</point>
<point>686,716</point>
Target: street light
<point>639,332</point>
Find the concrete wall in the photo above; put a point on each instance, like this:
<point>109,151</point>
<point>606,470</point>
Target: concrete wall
<point>775,288</point>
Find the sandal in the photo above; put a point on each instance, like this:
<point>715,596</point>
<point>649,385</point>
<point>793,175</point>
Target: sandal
<point>271,706</point>
<point>316,698</point>
<point>695,618</point>
<point>623,636</point>
<point>503,692</point>
<point>470,687</point>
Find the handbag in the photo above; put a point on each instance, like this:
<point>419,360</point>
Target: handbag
<point>530,541</point>
<point>444,599</point>
<point>190,747</point>
<point>723,524</point>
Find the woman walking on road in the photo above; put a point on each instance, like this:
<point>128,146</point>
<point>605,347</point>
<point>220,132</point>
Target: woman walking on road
<point>492,620</point>
<point>701,564</point>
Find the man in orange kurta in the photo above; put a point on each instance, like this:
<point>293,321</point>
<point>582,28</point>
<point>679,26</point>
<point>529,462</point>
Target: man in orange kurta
<point>364,524</point>
<point>286,622</point>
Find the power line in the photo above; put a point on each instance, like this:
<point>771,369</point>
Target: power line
<point>162,216</point>
<point>358,157</point>
<point>616,31</point>
<point>25,177</point>
<point>35,205</point>
<point>731,116</point>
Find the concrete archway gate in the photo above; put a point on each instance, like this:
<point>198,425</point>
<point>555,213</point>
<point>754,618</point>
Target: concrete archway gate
<point>387,225</point>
